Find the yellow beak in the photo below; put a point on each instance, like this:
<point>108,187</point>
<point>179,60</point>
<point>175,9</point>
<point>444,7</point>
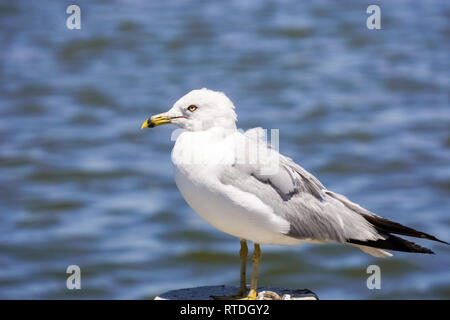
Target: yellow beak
<point>155,121</point>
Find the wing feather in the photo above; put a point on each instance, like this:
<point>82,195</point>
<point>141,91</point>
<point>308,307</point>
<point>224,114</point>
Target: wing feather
<point>298,197</point>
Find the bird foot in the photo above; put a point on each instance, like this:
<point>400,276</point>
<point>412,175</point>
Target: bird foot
<point>252,295</point>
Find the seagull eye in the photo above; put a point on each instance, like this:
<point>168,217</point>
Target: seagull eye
<point>192,108</point>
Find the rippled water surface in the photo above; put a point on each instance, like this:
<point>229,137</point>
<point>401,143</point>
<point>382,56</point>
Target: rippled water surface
<point>366,111</point>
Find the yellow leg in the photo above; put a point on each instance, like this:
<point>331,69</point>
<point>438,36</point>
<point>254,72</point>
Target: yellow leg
<point>243,253</point>
<point>256,258</point>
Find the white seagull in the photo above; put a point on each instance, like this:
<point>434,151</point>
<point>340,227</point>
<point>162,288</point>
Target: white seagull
<point>245,188</point>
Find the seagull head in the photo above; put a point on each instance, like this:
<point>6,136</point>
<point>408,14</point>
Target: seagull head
<point>198,110</point>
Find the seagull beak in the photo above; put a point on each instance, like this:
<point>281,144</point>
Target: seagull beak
<point>155,121</point>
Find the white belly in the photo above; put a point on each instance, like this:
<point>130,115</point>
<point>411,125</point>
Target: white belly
<point>259,226</point>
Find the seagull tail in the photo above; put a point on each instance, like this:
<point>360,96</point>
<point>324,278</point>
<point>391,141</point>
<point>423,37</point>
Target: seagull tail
<point>385,226</point>
<point>391,242</point>
<point>387,229</point>
<point>379,253</point>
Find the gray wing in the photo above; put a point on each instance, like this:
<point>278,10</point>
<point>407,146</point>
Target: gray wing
<point>313,212</point>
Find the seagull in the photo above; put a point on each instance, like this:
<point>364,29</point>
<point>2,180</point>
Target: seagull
<point>244,187</point>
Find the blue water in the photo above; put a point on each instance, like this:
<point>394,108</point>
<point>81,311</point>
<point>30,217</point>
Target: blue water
<point>367,111</point>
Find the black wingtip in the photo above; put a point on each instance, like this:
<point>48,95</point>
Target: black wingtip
<point>387,226</point>
<point>436,239</point>
<point>393,243</point>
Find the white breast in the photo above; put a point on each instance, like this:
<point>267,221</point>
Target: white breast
<point>226,208</point>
